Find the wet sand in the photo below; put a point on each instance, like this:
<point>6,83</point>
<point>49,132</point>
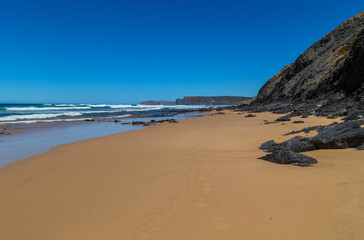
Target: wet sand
<point>198,179</point>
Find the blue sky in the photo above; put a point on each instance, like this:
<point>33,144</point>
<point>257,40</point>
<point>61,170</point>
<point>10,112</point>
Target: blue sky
<point>129,51</point>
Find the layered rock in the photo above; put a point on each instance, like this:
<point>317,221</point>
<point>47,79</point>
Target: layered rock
<point>328,78</point>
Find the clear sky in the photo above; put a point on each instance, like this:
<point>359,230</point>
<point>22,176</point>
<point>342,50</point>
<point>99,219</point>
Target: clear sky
<point>106,51</point>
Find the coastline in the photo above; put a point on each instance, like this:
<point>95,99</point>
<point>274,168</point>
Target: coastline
<point>199,179</point>
<point>27,140</point>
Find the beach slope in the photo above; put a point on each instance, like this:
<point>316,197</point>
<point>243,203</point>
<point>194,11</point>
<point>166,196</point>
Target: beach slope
<point>198,179</point>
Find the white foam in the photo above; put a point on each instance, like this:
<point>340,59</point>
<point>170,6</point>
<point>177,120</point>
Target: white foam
<point>58,119</point>
<point>38,116</point>
<point>67,105</point>
<point>42,108</point>
<point>120,116</point>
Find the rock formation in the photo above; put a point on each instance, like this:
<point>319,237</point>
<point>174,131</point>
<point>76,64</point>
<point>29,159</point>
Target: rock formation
<point>326,79</point>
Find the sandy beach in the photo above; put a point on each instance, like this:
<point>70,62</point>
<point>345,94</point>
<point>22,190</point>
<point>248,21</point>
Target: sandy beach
<point>198,179</point>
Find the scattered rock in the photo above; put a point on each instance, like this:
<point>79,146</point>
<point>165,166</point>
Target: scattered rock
<point>270,122</point>
<point>298,122</point>
<point>250,115</point>
<point>205,110</point>
<point>172,121</point>
<point>283,119</point>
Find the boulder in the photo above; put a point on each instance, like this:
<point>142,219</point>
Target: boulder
<point>295,144</point>
<point>361,147</point>
<point>283,119</point>
<point>286,156</point>
<point>340,136</point>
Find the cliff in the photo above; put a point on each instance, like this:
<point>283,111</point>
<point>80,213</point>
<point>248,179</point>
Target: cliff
<point>329,74</point>
<point>221,100</point>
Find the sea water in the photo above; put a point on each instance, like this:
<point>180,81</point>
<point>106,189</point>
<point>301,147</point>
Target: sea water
<point>36,140</point>
<point>30,113</point>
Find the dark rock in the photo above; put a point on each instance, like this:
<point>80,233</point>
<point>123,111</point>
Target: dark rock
<point>319,128</point>
<point>305,79</point>
<point>138,123</point>
<point>205,110</point>
<point>284,118</point>
<point>326,80</point>
<point>269,146</point>
<point>296,144</point>
<point>172,121</point>
<point>250,115</point>
<point>298,122</point>
<point>219,113</point>
<point>116,120</point>
<point>270,122</point>
<point>340,136</point>
<point>286,156</point>
<point>361,147</point>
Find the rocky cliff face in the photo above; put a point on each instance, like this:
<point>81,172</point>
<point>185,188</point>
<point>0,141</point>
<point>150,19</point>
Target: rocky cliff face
<point>329,74</point>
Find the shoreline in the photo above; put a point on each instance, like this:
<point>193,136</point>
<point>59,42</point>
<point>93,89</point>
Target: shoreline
<point>35,138</point>
<point>199,179</point>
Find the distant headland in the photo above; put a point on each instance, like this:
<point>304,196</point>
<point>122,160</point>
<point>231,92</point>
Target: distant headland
<point>194,100</point>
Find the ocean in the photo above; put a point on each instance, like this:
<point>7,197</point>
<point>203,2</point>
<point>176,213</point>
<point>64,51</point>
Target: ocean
<point>31,113</point>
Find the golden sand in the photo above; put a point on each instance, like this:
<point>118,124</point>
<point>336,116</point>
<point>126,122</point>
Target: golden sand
<point>198,179</point>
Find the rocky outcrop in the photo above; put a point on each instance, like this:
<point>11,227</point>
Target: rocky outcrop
<point>286,156</point>
<point>221,100</point>
<point>334,136</point>
<point>328,78</point>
